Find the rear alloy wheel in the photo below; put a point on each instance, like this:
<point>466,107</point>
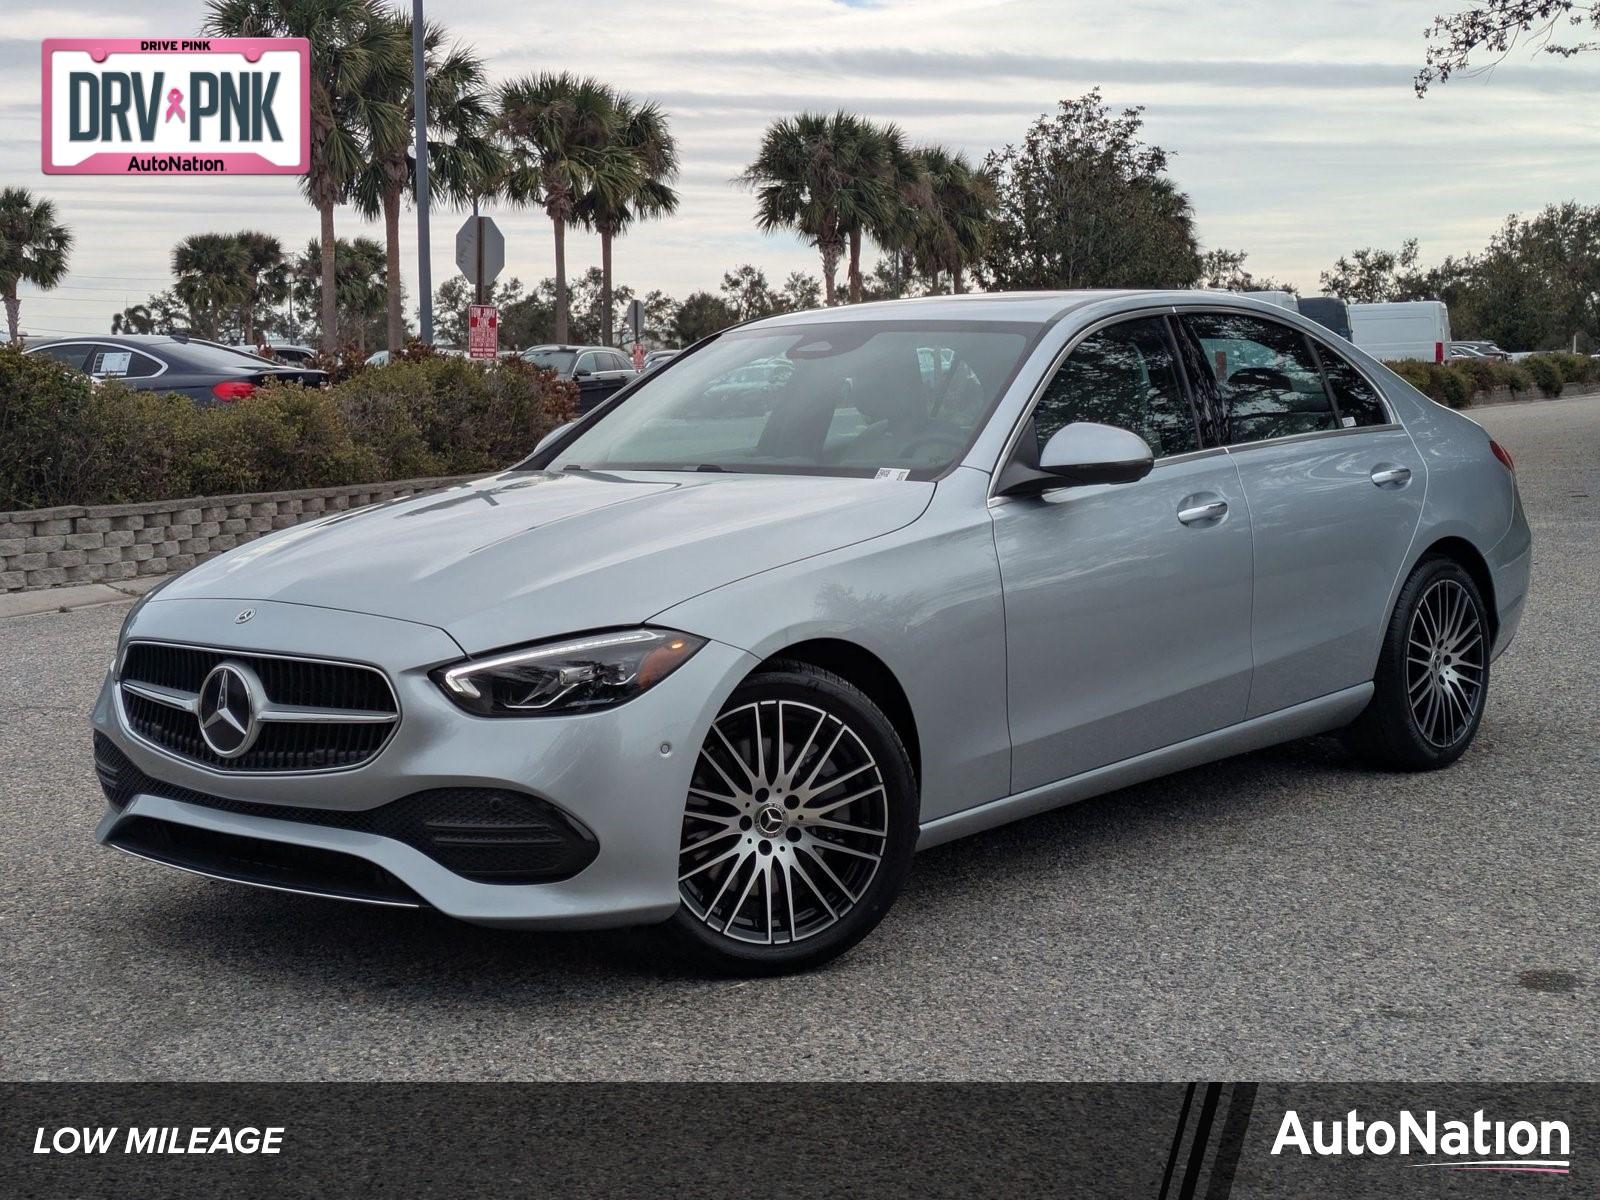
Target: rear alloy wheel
<point>799,824</point>
<point>1433,674</point>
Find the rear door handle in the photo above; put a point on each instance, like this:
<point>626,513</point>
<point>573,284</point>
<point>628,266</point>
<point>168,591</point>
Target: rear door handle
<point>1387,476</point>
<point>1203,512</point>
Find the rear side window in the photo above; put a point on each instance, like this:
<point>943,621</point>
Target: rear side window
<point>1359,403</point>
<point>1125,376</point>
<point>1268,381</point>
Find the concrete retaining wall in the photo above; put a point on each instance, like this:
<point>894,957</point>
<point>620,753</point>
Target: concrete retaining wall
<point>48,547</point>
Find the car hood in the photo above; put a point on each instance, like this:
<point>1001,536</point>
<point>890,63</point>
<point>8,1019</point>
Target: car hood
<point>526,555</point>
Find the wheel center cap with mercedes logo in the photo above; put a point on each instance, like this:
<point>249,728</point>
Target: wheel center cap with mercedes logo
<point>229,704</point>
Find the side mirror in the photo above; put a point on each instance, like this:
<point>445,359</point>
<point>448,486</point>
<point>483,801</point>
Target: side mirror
<point>1082,453</point>
<point>550,438</point>
<point>582,373</point>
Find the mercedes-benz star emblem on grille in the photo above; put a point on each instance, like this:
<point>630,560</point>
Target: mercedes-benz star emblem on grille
<point>244,616</point>
<point>227,709</point>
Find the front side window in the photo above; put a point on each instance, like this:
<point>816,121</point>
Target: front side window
<point>836,398</point>
<point>1268,384</point>
<point>68,354</point>
<point>1123,375</point>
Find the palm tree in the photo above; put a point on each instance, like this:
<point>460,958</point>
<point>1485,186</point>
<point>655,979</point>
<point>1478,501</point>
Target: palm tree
<point>352,42</point>
<point>210,270</point>
<point>814,174</point>
<point>462,156</point>
<point>556,125</point>
<point>33,249</point>
<point>956,223</point>
<point>889,196</point>
<point>362,267</point>
<point>637,187</point>
<point>136,318</point>
<point>265,280</point>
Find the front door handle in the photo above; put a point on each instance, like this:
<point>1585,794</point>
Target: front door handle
<point>1391,476</point>
<point>1203,512</point>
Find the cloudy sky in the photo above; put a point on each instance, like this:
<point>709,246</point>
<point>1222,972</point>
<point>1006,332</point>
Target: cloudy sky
<point>1293,126</point>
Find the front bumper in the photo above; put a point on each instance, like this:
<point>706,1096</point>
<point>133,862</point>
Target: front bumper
<point>622,774</point>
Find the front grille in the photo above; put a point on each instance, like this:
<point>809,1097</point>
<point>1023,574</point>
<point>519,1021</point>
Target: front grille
<point>285,745</point>
<point>490,835</point>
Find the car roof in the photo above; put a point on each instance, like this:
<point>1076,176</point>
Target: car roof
<point>1036,308</point>
<point>113,339</point>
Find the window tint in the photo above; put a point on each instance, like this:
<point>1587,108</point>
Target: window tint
<point>586,363</point>
<point>550,360</point>
<point>1124,375</point>
<point>1359,403</point>
<point>618,363</point>
<point>67,355</point>
<point>1268,384</point>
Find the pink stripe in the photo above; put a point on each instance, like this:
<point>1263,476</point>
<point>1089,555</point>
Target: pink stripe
<point>1524,1170</point>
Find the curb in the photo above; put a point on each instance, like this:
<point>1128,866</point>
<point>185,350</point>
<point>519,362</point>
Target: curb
<point>75,596</point>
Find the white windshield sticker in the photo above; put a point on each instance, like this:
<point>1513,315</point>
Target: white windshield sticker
<point>896,473</point>
<point>114,362</point>
<point>1349,422</point>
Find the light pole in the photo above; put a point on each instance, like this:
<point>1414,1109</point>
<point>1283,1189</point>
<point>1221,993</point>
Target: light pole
<point>419,96</point>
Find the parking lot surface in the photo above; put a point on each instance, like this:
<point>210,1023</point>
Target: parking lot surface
<point>1285,915</point>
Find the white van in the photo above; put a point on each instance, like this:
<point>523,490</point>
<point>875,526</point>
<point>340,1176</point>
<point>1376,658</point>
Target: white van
<point>1415,329</point>
<point>1281,299</point>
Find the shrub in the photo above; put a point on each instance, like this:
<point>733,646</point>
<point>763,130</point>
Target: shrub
<point>1574,368</point>
<point>42,406</point>
<point>432,415</point>
<point>1545,373</point>
<point>66,441</point>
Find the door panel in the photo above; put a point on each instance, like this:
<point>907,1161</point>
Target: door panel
<point>1332,518</point>
<point>1127,628</point>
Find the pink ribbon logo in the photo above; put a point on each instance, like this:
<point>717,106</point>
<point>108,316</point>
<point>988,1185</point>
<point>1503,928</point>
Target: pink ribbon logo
<point>175,105</point>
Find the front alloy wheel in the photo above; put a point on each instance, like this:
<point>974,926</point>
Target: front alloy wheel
<point>798,827</point>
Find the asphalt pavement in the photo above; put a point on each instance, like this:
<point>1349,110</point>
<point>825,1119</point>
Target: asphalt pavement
<point>1285,915</point>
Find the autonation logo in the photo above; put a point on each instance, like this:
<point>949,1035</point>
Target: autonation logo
<point>1536,1148</point>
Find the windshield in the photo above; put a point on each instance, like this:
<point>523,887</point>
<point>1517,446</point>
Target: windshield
<point>845,398</point>
<point>552,360</point>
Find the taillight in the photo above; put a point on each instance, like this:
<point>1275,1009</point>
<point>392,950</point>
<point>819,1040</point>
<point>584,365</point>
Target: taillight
<point>232,389</point>
<point>1503,455</point>
<point>1438,352</point>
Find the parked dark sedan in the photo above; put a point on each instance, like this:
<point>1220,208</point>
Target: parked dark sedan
<point>172,363</point>
<point>597,370</point>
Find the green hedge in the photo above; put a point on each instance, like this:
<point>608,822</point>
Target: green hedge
<point>1459,383</point>
<point>65,441</point>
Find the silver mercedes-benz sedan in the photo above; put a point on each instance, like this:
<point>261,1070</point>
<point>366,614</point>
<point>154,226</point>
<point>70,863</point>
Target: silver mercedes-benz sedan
<point>827,588</point>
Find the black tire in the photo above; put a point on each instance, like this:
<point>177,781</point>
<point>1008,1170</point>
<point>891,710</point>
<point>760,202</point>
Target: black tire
<point>819,895</point>
<point>1391,732</point>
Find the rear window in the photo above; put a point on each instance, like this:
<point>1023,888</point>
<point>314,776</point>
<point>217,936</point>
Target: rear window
<point>552,360</point>
<point>198,357</point>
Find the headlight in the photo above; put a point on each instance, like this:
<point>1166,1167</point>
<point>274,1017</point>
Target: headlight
<point>578,675</point>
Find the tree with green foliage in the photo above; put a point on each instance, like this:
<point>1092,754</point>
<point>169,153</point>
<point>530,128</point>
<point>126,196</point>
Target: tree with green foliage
<point>361,300</point>
<point>700,315</point>
<point>953,231</point>
<point>556,127</point>
<point>1083,202</point>
<point>33,249</point>
<point>638,187</point>
<point>1225,271</point>
<point>462,154</point>
<point>353,45</point>
<point>820,175</point>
